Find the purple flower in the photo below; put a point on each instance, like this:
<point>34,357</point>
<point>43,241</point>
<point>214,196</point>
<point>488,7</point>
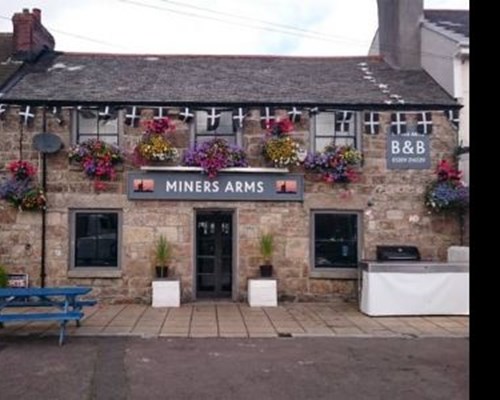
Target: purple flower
<point>213,155</point>
<point>335,164</point>
<point>22,193</point>
<point>447,195</point>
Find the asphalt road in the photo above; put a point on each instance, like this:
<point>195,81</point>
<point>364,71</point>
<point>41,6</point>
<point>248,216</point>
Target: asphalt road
<point>116,368</point>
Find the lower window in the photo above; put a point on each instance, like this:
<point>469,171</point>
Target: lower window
<point>95,238</point>
<point>335,240</point>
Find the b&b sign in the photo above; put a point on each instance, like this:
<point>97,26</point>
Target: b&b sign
<point>408,152</point>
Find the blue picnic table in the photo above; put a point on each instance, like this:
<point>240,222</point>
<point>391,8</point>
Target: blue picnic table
<point>64,303</point>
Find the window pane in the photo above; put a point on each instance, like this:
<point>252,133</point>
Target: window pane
<point>335,241</point>
<point>325,124</point>
<point>201,121</point>
<point>89,127</point>
<point>206,283</point>
<point>108,126</point>
<point>321,143</point>
<point>337,128</point>
<point>342,141</point>
<point>96,240</point>
<point>226,122</point>
<point>224,127</point>
<point>87,122</point>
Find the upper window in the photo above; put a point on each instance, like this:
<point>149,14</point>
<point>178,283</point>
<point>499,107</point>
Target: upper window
<point>215,123</point>
<point>334,127</point>
<point>95,238</point>
<point>97,124</point>
<point>335,240</point>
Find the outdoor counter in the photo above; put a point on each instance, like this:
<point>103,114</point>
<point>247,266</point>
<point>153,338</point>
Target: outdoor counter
<point>414,288</point>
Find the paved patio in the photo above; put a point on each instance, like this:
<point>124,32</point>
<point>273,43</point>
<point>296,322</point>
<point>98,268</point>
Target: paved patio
<point>216,319</point>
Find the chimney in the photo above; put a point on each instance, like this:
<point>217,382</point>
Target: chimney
<point>30,37</point>
<point>399,32</point>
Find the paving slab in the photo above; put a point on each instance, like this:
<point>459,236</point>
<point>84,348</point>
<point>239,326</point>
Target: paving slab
<point>239,320</point>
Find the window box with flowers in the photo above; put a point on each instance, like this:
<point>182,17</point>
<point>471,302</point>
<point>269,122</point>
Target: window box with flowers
<point>336,164</point>
<point>279,148</point>
<point>20,190</point>
<point>154,145</point>
<point>214,155</point>
<point>98,160</point>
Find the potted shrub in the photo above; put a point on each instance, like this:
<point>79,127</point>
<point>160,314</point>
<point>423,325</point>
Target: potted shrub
<point>266,245</point>
<point>163,254</point>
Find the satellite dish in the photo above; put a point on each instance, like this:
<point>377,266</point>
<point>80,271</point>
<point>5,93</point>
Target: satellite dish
<point>47,142</point>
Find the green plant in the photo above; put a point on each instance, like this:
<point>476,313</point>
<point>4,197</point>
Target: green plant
<point>3,277</point>
<point>267,247</point>
<point>163,251</point>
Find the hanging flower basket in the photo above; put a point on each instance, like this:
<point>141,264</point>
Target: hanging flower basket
<point>98,160</point>
<point>154,145</point>
<point>337,164</point>
<point>447,193</point>
<point>20,190</point>
<point>278,147</point>
<point>213,155</point>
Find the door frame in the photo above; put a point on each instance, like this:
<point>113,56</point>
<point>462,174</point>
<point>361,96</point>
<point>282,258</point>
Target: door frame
<point>234,256</point>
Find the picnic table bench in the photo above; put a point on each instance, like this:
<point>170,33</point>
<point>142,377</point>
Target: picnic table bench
<point>65,300</point>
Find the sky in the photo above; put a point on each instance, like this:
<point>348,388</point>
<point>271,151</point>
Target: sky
<point>271,27</point>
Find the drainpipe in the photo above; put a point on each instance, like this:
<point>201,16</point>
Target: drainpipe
<point>44,209</point>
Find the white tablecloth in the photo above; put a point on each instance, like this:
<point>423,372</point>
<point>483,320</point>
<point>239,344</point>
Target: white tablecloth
<point>400,293</point>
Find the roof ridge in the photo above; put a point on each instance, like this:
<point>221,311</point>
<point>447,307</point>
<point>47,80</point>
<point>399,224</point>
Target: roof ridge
<point>225,56</point>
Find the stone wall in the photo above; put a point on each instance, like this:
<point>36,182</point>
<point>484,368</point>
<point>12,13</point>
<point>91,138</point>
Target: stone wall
<point>385,198</point>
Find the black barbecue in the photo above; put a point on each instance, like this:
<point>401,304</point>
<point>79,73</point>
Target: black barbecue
<point>397,253</point>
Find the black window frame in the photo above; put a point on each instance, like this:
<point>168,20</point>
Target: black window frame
<point>80,137</point>
<point>335,134</point>
<point>74,237</point>
<point>343,270</point>
<point>232,137</point>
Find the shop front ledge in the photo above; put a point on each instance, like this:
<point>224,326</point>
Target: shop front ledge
<point>85,273</point>
<point>249,170</point>
<point>337,273</point>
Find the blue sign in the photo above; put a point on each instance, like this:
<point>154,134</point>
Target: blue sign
<point>408,151</point>
<point>226,186</point>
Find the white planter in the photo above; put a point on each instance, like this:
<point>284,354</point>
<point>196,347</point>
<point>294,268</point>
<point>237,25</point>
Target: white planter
<point>166,293</point>
<point>262,292</point>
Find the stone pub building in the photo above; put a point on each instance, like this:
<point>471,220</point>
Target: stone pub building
<point>385,107</point>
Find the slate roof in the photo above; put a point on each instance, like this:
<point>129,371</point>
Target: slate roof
<point>453,20</point>
<point>217,80</point>
<point>7,67</point>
